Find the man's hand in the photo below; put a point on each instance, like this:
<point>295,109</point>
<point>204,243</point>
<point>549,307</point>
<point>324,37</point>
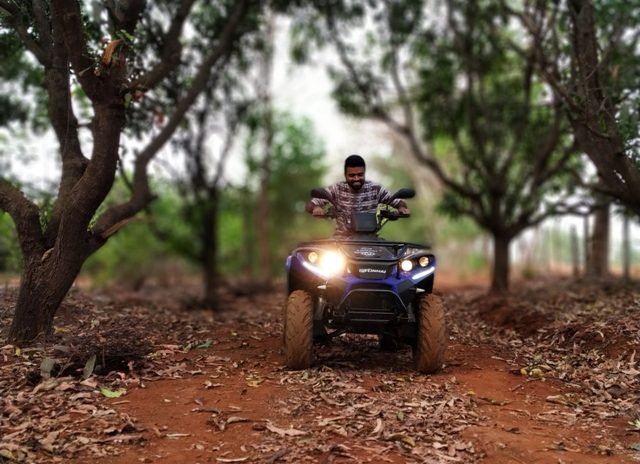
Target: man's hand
<point>317,211</point>
<point>404,210</point>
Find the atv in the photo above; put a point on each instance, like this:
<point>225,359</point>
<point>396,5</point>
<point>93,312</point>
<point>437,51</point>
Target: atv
<point>363,284</point>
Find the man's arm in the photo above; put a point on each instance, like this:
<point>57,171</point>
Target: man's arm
<point>403,208</point>
<point>316,205</point>
<point>384,197</point>
<point>312,208</point>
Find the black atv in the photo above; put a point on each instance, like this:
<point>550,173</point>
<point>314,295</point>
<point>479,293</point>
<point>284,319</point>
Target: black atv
<point>364,284</point>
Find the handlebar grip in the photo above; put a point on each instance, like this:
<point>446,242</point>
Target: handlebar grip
<point>393,215</point>
<point>327,214</point>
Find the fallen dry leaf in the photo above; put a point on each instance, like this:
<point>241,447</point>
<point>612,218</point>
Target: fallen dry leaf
<point>290,432</point>
<point>234,419</point>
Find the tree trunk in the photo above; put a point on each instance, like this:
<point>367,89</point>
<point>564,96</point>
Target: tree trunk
<point>501,264</point>
<point>48,275</point>
<point>86,181</point>
<point>586,245</point>
<point>599,262</point>
<point>575,258</point>
<point>264,242</point>
<point>248,235</point>
<point>210,249</point>
<point>42,289</point>
<point>594,125</point>
<point>626,247</point>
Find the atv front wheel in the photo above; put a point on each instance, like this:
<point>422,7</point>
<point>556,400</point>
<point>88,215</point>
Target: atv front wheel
<point>432,339</point>
<point>298,330</point>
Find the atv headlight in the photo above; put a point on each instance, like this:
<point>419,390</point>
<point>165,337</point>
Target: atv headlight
<point>406,265</point>
<point>423,261</point>
<point>312,257</point>
<point>332,263</point>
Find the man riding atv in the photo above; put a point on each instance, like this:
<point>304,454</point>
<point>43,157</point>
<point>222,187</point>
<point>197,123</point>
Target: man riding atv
<point>357,282</point>
<point>354,195</point>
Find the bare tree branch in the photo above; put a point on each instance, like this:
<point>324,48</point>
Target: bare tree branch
<point>67,14</point>
<point>546,149</point>
<point>142,194</point>
<point>403,98</point>
<point>43,24</point>
<point>232,129</point>
<point>125,18</point>
<point>547,67</point>
<point>523,127</point>
<point>171,50</point>
<point>26,217</point>
<point>591,111</point>
<point>376,111</point>
<point>15,19</point>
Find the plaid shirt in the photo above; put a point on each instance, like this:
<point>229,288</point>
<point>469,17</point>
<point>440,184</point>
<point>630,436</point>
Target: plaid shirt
<point>348,201</point>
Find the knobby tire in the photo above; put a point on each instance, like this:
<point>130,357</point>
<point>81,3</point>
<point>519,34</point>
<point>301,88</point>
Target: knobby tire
<point>298,330</point>
<point>432,338</point>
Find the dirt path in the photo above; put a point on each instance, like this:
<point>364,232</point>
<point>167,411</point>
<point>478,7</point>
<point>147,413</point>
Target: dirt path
<point>217,392</point>
<point>235,403</point>
<point>185,419</point>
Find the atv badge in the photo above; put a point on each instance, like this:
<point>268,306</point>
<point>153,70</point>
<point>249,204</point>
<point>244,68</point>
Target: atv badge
<point>366,252</point>
<point>367,270</point>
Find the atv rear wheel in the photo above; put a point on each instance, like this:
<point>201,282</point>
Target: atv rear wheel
<point>432,339</point>
<point>298,330</point>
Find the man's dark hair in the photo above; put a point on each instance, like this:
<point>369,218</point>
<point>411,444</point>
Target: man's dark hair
<point>353,161</point>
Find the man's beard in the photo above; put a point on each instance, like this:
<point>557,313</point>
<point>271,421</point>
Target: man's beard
<point>356,185</point>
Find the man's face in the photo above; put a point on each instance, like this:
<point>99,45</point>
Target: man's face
<point>355,177</point>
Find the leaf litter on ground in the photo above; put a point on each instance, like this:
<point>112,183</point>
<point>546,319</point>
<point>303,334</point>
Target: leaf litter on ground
<point>376,411</point>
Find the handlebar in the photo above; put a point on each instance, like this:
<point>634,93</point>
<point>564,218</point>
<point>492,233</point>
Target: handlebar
<point>327,214</point>
<point>393,215</point>
<point>390,215</point>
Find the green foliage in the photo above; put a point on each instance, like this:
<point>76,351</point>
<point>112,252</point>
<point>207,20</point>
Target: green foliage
<point>10,259</point>
<point>423,225</point>
<point>617,27</point>
<point>448,80</point>
<point>232,252</point>
<point>168,233</point>
<point>304,38</point>
<point>45,200</point>
<point>487,117</point>
<point>228,83</point>
<point>494,126</point>
<point>596,92</point>
<point>428,223</point>
<point>178,232</point>
<point>133,255</point>
<point>19,76</point>
<point>475,262</point>
<point>297,165</point>
<point>458,229</point>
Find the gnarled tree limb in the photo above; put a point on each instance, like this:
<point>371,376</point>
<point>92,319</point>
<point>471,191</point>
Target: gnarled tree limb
<point>171,50</point>
<point>26,217</point>
<point>142,195</point>
<point>67,14</point>
<point>15,19</point>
